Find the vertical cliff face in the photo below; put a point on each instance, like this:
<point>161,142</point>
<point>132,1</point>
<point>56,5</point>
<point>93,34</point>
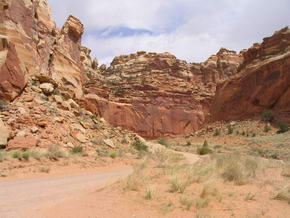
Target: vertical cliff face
<point>263,82</point>
<point>153,94</point>
<point>36,46</point>
<point>157,94</point>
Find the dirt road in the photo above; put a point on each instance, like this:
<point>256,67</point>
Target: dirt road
<point>19,198</point>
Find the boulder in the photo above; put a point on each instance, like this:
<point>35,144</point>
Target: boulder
<point>47,88</point>
<point>22,142</point>
<point>4,134</point>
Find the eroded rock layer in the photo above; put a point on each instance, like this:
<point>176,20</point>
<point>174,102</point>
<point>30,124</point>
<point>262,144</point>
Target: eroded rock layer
<point>156,94</point>
<point>263,82</point>
<point>36,46</point>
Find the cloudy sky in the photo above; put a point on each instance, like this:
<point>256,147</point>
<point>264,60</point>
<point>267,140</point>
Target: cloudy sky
<point>190,29</point>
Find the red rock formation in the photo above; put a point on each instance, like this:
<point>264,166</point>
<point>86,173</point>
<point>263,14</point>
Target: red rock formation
<point>12,79</point>
<point>263,82</point>
<point>158,95</point>
<point>40,47</point>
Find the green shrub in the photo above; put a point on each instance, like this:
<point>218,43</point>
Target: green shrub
<point>149,194</point>
<point>186,202</point>
<point>204,149</point>
<point>140,146</point>
<point>267,128</point>
<point>113,155</point>
<point>178,185</point>
<point>188,144</point>
<point>2,156</point>
<point>217,132</point>
<point>26,155</point>
<point>54,152</point>
<point>16,155</point>
<point>77,150</point>
<point>163,141</point>
<point>283,127</point>
<point>3,105</point>
<point>230,130</point>
<point>267,116</point>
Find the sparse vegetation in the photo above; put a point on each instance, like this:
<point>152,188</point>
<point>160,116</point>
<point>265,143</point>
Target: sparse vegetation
<point>217,132</point>
<point>163,141</point>
<point>44,170</point>
<point>188,144</point>
<point>3,156</point>
<point>283,195</point>
<point>178,185</point>
<point>3,105</point>
<point>54,152</point>
<point>186,202</point>
<point>26,155</point>
<point>267,116</point>
<point>140,146</point>
<point>204,149</point>
<point>282,128</point>
<point>267,128</point>
<point>113,155</point>
<point>234,168</point>
<point>230,129</point>
<point>149,194</point>
<point>16,155</point>
<point>77,150</point>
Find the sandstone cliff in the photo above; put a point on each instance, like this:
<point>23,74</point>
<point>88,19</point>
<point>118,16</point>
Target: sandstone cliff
<point>31,41</point>
<point>262,83</point>
<point>156,94</point>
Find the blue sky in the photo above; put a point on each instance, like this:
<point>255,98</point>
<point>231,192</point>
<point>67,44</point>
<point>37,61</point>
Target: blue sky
<point>190,29</point>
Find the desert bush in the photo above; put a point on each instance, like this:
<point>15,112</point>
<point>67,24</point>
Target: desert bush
<point>188,144</point>
<point>250,197</point>
<point>113,155</point>
<point>149,194</point>
<point>54,152</point>
<point>140,146</point>
<point>204,149</point>
<point>267,116</point>
<point>178,185</point>
<point>77,150</point>
<point>44,170</point>
<point>3,105</point>
<point>234,168</point>
<point>283,127</point>
<point>267,128</point>
<point>16,155</point>
<point>26,155</point>
<point>3,156</point>
<point>124,141</point>
<point>283,195</point>
<point>35,154</point>
<point>135,181</point>
<point>163,141</point>
<point>217,132</point>
<point>186,202</point>
<point>230,129</point>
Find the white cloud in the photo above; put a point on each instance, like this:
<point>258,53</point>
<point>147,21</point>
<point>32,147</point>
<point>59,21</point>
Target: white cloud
<point>190,29</point>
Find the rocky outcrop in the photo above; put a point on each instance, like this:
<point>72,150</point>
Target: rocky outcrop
<point>158,95</point>
<point>12,78</point>
<point>263,82</point>
<point>4,134</point>
<point>33,45</point>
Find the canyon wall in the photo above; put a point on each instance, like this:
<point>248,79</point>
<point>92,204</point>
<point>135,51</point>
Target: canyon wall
<point>155,95</point>
<point>158,95</point>
<point>263,82</point>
